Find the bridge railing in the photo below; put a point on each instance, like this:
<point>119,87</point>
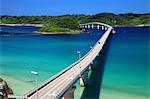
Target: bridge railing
<point>96,23</point>
<point>46,82</point>
<point>85,56</point>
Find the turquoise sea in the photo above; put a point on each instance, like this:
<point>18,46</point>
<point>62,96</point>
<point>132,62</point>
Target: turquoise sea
<point>123,71</point>
<point>127,67</point>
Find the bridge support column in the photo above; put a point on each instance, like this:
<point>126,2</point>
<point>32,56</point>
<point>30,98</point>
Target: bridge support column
<point>92,67</point>
<point>99,56</point>
<point>84,79</point>
<point>113,31</point>
<point>86,26</point>
<point>83,26</point>
<point>98,26</point>
<point>92,26</point>
<point>102,27</point>
<point>70,93</point>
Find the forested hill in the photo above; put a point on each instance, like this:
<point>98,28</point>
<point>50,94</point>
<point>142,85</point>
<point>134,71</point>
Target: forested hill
<point>119,19</point>
<point>108,18</point>
<point>70,23</point>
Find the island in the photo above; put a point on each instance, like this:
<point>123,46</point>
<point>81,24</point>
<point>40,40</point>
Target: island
<point>69,24</point>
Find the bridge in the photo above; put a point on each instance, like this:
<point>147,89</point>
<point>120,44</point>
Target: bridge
<point>61,85</point>
<point>93,25</point>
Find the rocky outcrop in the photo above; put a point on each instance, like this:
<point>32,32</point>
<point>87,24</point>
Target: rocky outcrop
<point>5,90</point>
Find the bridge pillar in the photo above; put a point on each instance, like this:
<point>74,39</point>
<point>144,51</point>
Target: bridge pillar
<point>83,26</point>
<point>84,79</point>
<point>92,26</point>
<point>88,26</point>
<point>98,26</point>
<point>113,31</point>
<point>105,28</point>
<point>70,93</point>
<point>98,57</point>
<point>102,27</point>
<point>92,66</point>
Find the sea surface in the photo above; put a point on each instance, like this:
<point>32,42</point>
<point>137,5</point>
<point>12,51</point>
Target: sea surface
<point>122,70</point>
<point>127,67</point>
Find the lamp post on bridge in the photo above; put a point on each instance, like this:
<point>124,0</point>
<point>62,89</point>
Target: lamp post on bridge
<point>36,80</point>
<point>79,54</point>
<point>91,47</point>
<point>79,57</point>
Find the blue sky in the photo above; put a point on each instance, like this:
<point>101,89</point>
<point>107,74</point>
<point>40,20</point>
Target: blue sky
<point>61,7</point>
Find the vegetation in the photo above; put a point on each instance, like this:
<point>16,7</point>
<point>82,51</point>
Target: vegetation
<point>61,24</point>
<point>52,28</point>
<point>69,23</point>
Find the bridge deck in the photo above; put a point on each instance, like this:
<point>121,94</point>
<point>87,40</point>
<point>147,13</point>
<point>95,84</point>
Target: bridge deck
<point>60,84</point>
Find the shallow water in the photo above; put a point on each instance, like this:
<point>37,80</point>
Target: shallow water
<point>47,54</point>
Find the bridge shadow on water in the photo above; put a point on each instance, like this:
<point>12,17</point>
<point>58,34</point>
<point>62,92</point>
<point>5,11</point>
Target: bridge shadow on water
<point>92,90</point>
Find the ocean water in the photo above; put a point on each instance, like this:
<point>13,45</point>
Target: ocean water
<point>122,70</point>
<point>47,54</point>
<point>19,29</point>
<point>127,67</point>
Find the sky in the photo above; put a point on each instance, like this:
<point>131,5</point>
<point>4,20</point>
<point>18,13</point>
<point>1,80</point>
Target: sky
<point>61,7</point>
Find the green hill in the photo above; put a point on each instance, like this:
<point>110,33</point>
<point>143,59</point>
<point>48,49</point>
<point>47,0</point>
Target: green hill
<point>69,23</point>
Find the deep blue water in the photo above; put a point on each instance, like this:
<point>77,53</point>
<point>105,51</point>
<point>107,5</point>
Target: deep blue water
<point>127,65</point>
<point>19,29</point>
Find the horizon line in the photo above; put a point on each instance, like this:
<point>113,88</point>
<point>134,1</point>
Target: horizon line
<point>80,14</point>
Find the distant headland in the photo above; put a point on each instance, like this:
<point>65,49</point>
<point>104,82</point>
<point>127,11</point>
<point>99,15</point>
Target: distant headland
<point>70,23</point>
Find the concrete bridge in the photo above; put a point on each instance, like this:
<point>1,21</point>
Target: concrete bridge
<point>61,85</point>
<point>93,25</point>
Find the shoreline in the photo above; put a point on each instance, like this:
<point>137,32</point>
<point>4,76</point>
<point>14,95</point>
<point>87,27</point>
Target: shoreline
<point>133,26</point>
<point>51,33</point>
<point>41,25</point>
<point>60,33</point>
<point>36,25</point>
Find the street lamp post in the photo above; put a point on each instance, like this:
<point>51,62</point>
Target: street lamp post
<point>79,56</point>
<point>36,80</point>
<point>91,47</point>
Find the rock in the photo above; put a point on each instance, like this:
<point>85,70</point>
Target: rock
<point>5,90</point>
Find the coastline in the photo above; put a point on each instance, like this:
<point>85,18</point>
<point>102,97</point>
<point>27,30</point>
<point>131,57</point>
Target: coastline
<point>36,25</point>
<point>51,33</point>
<point>61,33</point>
<point>142,25</point>
<point>41,25</point>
